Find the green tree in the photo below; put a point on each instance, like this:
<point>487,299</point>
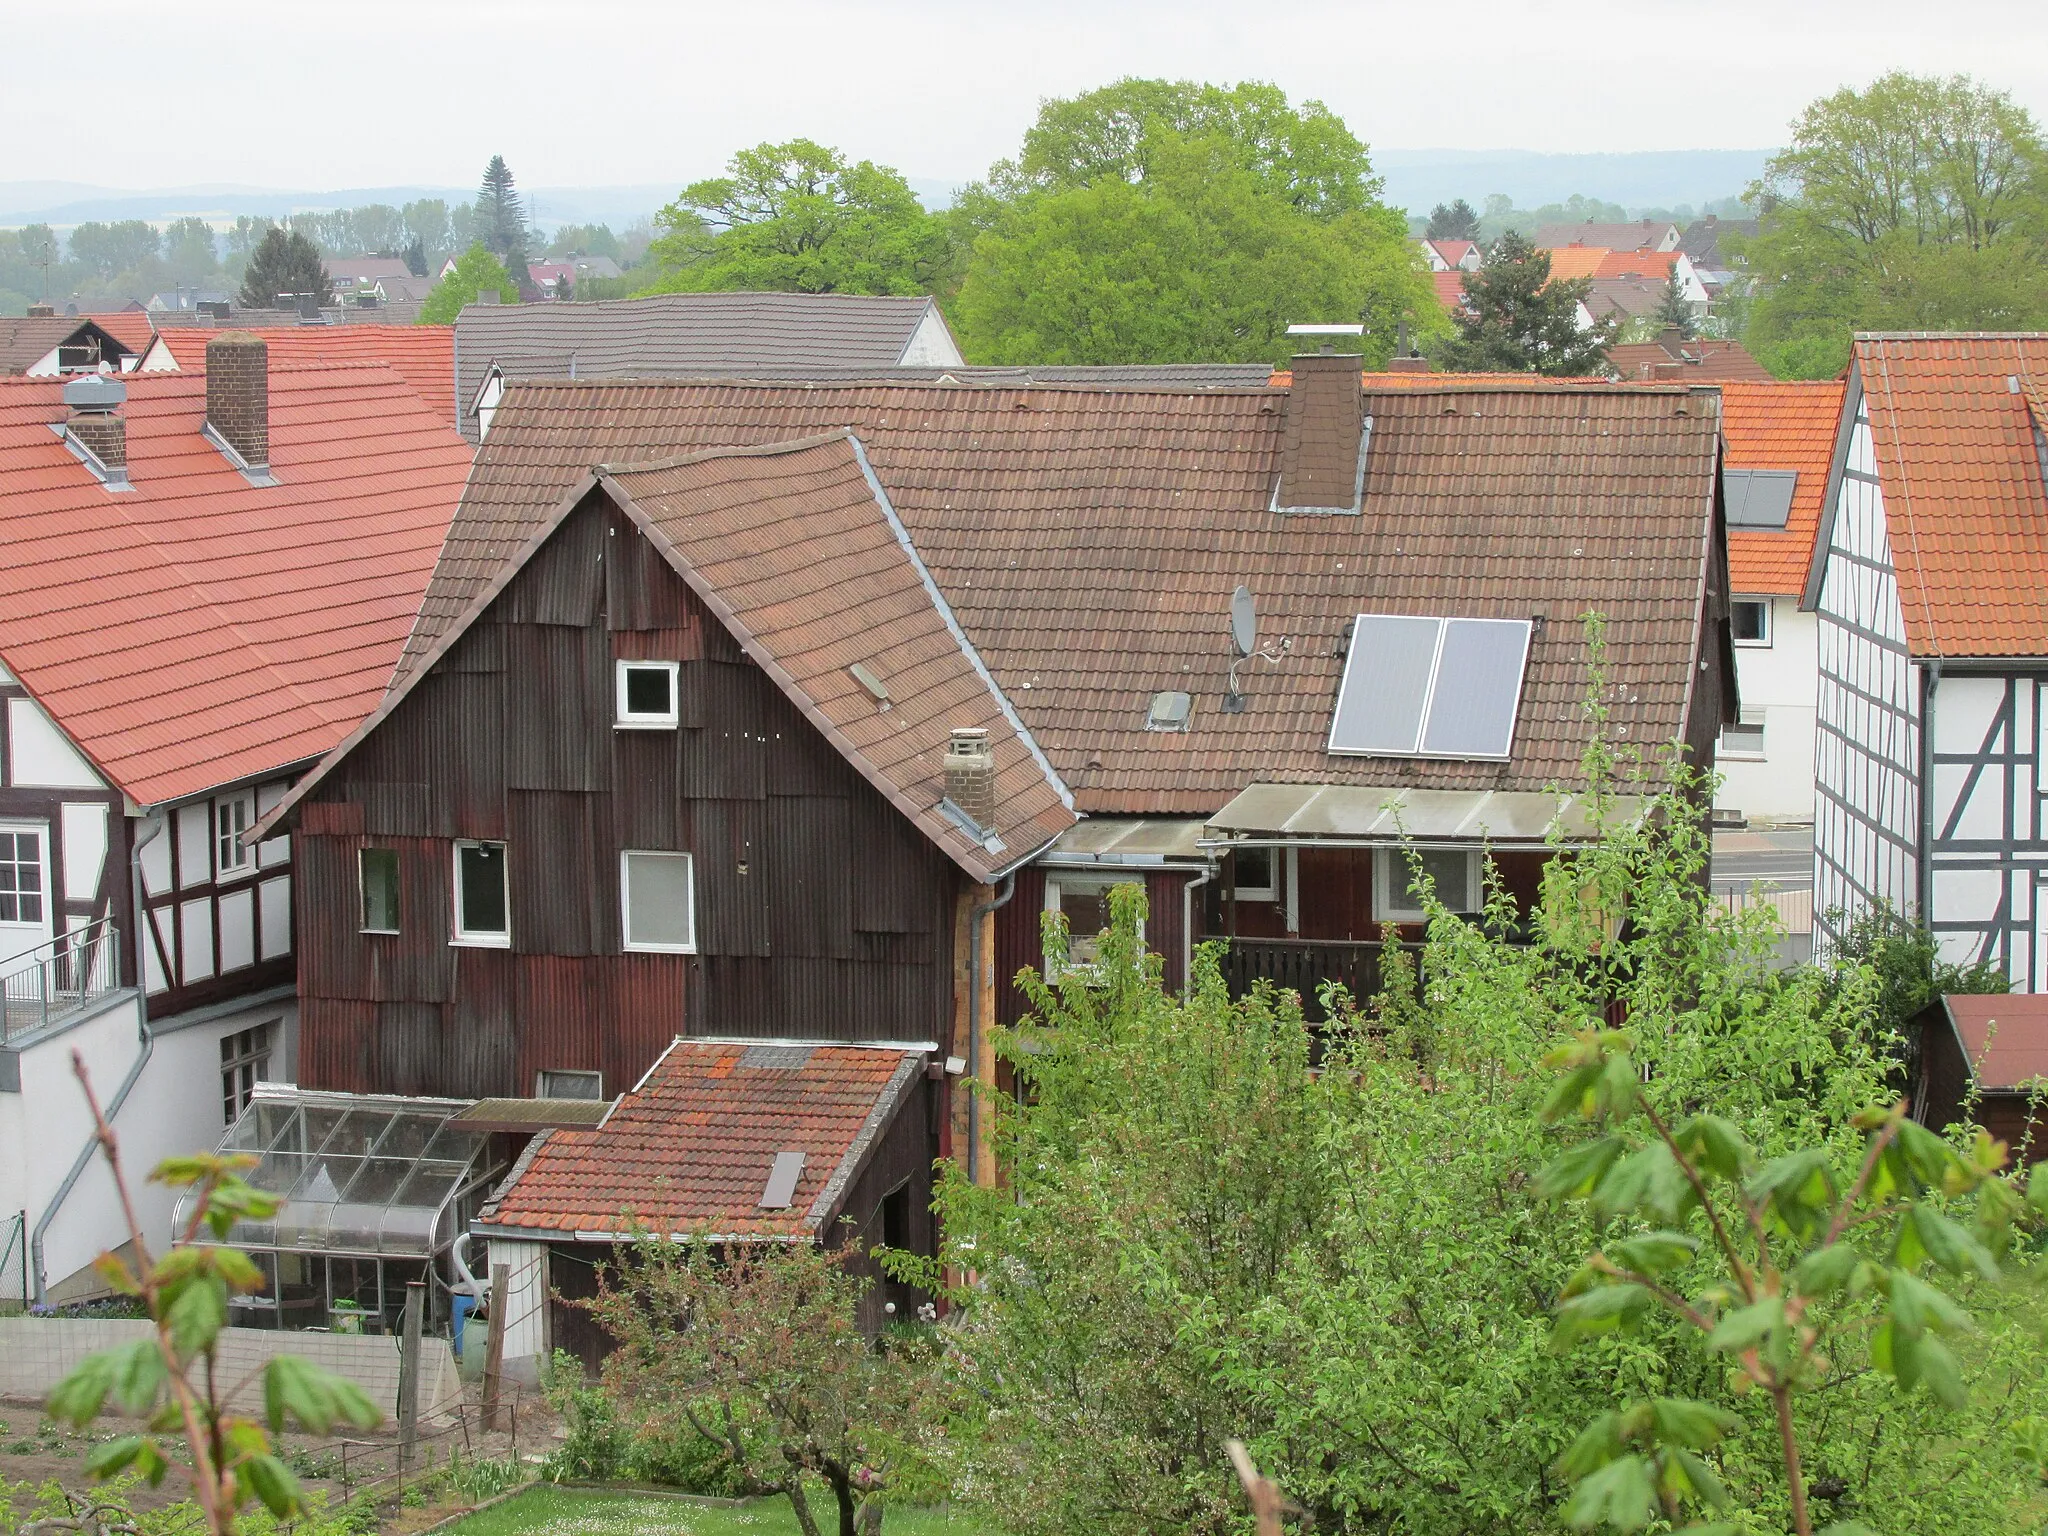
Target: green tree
<point>797,218</point>
<point>1916,204</point>
<point>426,225</point>
<point>107,250</point>
<point>189,247</point>
<point>501,219</point>
<point>1674,309</point>
<point>286,262</point>
<point>1453,221</point>
<point>477,271</point>
<point>1516,319</point>
<point>416,256</point>
<point>585,240</point>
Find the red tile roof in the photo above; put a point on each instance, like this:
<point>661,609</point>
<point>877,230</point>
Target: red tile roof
<point>1570,261</point>
<point>1452,251</point>
<point>1780,426</point>
<point>1643,263</point>
<point>1964,504</point>
<point>1701,360</point>
<point>131,327</point>
<point>2004,1037</point>
<point>689,1150</point>
<point>1450,289</point>
<point>423,354</point>
<point>198,630</point>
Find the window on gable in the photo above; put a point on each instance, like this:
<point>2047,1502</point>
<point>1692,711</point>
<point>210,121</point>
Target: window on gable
<point>1750,618</point>
<point>1427,687</point>
<point>657,898</point>
<point>1453,871</point>
<point>380,890</point>
<point>232,816</point>
<point>647,696</point>
<point>482,911</point>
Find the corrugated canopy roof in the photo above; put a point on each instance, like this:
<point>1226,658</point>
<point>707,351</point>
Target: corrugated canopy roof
<point>1089,540</point>
<point>1390,814</point>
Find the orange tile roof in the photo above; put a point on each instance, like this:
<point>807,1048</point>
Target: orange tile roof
<point>1283,377</point>
<point>1570,261</point>
<point>423,354</point>
<point>1450,289</point>
<point>197,630</point>
<point>1644,263</point>
<point>1964,504</point>
<point>131,327</point>
<point>690,1148</point>
<point>1780,426</point>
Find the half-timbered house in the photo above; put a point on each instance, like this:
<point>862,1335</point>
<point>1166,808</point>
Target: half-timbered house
<point>206,581</point>
<point>1928,586</point>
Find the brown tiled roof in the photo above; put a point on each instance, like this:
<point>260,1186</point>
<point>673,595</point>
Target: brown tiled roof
<point>690,1149</point>
<point>1616,237</point>
<point>2004,1037</point>
<point>1702,360</point>
<point>1780,426</point>
<point>1089,541</point>
<point>669,335</point>
<point>1963,498</point>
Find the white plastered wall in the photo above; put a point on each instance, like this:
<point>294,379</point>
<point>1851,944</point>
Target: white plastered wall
<point>1777,685</point>
<point>931,344</point>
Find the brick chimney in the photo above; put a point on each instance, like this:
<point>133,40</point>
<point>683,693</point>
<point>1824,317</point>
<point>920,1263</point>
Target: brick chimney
<point>971,776</point>
<point>96,423</point>
<point>42,311</point>
<point>238,394</point>
<point>1319,457</point>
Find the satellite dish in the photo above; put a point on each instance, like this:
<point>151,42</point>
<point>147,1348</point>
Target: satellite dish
<point>1244,621</point>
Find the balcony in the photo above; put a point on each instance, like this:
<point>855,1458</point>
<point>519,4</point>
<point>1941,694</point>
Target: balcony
<point>49,984</point>
<point>1304,965</point>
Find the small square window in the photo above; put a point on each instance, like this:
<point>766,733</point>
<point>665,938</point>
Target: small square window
<point>657,902</point>
<point>1256,880</point>
<point>232,816</point>
<point>569,1085</point>
<point>1084,899</point>
<point>1454,871</point>
<point>380,890</point>
<point>1750,618</point>
<point>1742,740</point>
<point>647,695</point>
<point>481,910</point>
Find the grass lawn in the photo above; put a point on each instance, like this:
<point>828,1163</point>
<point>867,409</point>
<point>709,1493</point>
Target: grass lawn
<point>549,1511</point>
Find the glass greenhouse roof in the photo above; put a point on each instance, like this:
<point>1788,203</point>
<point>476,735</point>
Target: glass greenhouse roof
<point>360,1174</point>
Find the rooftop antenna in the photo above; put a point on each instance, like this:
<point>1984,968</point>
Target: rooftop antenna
<point>1244,644</point>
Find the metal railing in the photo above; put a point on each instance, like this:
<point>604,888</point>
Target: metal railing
<point>50,983</point>
<point>1303,965</point>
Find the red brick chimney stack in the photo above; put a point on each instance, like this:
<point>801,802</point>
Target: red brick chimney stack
<point>238,394</point>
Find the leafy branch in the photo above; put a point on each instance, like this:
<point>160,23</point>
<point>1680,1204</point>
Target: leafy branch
<point>170,1378</point>
<point>1790,1252</point>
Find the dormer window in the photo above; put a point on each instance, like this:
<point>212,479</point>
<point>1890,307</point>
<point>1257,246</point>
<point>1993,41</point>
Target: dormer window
<point>647,696</point>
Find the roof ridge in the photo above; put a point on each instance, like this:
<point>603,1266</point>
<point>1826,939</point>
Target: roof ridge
<point>755,451</point>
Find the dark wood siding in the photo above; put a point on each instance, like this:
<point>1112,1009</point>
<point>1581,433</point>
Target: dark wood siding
<point>820,911</point>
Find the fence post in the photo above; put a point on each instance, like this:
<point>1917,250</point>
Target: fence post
<point>494,1348</point>
<point>409,1371</point>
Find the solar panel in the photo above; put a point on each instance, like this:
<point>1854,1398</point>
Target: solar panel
<point>1479,683</point>
<point>1385,690</point>
<point>1426,687</point>
<point>787,1168</point>
<point>1758,498</point>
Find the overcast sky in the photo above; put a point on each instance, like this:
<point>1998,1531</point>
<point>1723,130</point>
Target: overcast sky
<point>606,92</point>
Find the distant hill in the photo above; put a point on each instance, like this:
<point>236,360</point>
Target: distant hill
<point>1418,179</point>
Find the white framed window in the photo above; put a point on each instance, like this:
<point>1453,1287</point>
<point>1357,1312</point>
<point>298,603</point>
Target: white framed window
<point>1084,900</point>
<point>1745,739</point>
<point>568,1085</point>
<point>657,902</point>
<point>647,696</point>
<point>1750,619</point>
<point>1258,873</point>
<point>24,878</point>
<point>244,1062</point>
<point>483,912</point>
<point>232,816</point>
<point>1455,872</point>
<point>378,869</point>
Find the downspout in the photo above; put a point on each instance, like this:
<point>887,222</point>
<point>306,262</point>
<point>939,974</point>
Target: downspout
<point>1187,924</point>
<point>1923,873</point>
<point>146,1047</point>
<point>981,910</point>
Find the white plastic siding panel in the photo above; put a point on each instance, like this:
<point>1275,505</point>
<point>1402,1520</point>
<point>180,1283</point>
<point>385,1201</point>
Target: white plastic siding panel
<point>526,1296</point>
<point>153,977</point>
<point>85,850</point>
<point>166,920</point>
<point>155,857</point>
<point>276,904</point>
<point>195,940</point>
<point>237,930</point>
<point>40,756</point>
<point>195,844</point>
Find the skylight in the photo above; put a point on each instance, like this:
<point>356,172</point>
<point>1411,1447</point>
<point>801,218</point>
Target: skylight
<point>1424,687</point>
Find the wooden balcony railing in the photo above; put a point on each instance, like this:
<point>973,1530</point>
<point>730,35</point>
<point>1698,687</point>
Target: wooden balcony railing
<point>1304,965</point>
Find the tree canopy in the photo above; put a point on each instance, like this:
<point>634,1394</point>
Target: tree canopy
<point>476,271</point>
<point>286,262</point>
<point>1915,204</point>
<point>1163,221</point>
<point>797,217</point>
<point>501,219</point>
<point>1453,221</point>
<point>1518,319</point>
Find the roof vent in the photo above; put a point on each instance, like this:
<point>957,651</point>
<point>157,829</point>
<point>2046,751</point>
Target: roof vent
<point>96,432</point>
<point>971,776</point>
<point>95,392</point>
<point>1169,712</point>
<point>776,1058</point>
<point>873,684</point>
